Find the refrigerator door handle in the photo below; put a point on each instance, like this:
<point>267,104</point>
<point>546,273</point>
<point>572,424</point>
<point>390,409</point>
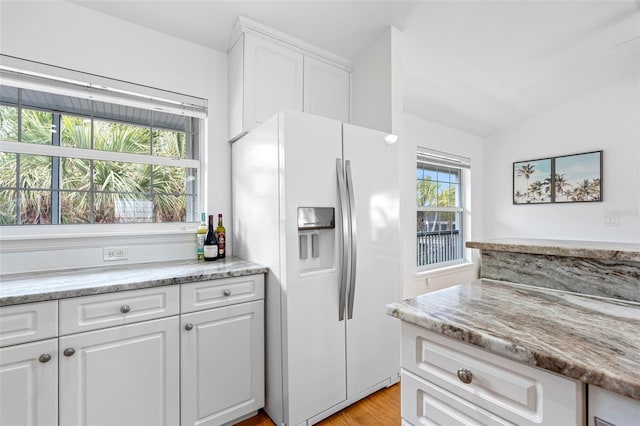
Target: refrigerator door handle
<point>354,240</point>
<point>345,238</point>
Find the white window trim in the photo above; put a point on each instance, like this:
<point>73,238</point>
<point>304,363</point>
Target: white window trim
<point>464,164</point>
<point>33,75</point>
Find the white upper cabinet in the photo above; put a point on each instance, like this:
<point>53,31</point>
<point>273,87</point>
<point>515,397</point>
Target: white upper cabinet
<point>272,80</point>
<point>326,89</point>
<point>270,71</point>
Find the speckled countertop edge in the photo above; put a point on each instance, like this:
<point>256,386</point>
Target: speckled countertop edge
<point>586,249</point>
<point>590,339</point>
<point>43,286</point>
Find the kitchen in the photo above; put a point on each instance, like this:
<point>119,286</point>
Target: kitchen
<point>594,107</point>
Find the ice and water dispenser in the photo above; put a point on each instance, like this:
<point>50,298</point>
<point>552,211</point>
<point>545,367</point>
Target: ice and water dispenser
<point>316,237</point>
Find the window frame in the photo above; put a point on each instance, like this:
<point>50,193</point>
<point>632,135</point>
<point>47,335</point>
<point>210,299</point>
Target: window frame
<point>96,88</point>
<point>463,165</point>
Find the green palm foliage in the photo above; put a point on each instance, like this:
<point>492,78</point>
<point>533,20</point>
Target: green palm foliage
<point>527,170</point>
<point>91,191</point>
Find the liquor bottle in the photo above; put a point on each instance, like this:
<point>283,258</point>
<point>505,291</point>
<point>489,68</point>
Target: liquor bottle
<point>210,242</point>
<point>221,236</point>
<point>201,234</point>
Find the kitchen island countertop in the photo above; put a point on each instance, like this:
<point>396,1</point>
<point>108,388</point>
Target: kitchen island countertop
<point>579,249</point>
<point>41,286</point>
<point>591,339</point>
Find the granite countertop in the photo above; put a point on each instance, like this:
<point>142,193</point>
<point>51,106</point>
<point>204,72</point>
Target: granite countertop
<point>36,287</point>
<point>594,340</point>
<point>586,249</point>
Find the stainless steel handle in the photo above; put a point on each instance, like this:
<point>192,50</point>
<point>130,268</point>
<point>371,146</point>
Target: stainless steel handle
<point>227,292</point>
<point>344,264</point>
<point>354,240</point>
<point>69,352</point>
<point>188,326</point>
<point>465,375</point>
<point>125,309</point>
<point>44,358</point>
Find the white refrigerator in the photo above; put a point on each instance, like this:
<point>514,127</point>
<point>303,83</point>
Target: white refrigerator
<point>317,201</point>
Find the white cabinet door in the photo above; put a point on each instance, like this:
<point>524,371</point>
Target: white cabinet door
<point>127,375</point>
<point>326,90</point>
<point>272,80</point>
<point>222,363</point>
<point>29,384</point>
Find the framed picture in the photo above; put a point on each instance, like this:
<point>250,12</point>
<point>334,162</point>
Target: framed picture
<point>563,179</point>
<point>578,177</point>
<point>532,182</point>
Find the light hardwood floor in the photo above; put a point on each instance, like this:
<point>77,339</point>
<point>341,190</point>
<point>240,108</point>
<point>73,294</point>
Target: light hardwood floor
<point>381,408</point>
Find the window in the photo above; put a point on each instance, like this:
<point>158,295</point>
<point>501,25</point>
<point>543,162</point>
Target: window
<point>440,208</point>
<point>72,156</point>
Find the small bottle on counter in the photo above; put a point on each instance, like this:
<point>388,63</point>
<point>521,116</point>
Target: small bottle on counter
<point>201,234</point>
<point>210,243</point>
<point>221,236</point>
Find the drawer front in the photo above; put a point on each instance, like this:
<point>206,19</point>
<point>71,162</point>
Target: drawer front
<point>222,292</point>
<point>28,322</point>
<point>511,390</point>
<point>126,307</point>
<point>423,403</point>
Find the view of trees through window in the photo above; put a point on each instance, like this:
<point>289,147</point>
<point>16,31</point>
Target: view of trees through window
<point>439,213</point>
<point>71,188</point>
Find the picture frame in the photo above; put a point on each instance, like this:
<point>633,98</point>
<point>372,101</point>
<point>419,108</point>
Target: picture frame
<point>578,177</point>
<point>562,179</point>
<point>532,181</point>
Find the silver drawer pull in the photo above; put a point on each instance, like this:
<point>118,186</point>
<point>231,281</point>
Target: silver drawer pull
<point>44,358</point>
<point>125,309</point>
<point>188,327</point>
<point>69,352</point>
<point>227,292</point>
<point>465,376</point>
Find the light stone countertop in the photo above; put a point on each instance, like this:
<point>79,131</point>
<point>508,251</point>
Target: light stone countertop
<point>594,340</point>
<point>36,287</point>
<point>585,249</point>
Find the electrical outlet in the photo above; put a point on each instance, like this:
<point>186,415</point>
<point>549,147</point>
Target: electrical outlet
<point>611,221</point>
<point>114,253</point>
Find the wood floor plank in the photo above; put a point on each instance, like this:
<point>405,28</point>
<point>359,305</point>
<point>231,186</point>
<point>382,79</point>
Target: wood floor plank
<point>381,408</point>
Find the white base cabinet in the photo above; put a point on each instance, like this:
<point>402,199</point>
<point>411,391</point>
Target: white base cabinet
<point>29,384</point>
<point>117,358</point>
<point>610,409</point>
<point>127,375</point>
<point>222,363</point>
<point>448,382</point>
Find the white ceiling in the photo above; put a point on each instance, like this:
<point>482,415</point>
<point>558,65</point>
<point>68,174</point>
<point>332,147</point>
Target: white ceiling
<point>475,65</point>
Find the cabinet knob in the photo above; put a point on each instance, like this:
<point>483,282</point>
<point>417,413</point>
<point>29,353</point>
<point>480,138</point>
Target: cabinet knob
<point>44,358</point>
<point>125,309</point>
<point>465,376</point>
<point>188,326</point>
<point>227,292</point>
<point>69,352</point>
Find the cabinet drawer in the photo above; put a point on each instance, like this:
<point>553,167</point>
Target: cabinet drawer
<point>511,390</point>
<point>424,403</point>
<point>28,322</point>
<point>126,307</point>
<point>222,292</point>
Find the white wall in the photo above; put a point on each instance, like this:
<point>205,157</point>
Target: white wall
<point>423,133</point>
<point>66,35</point>
<point>607,119</point>
<point>376,84</point>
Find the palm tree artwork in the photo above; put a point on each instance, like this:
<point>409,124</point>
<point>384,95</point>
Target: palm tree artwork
<point>562,179</point>
<point>578,177</point>
<point>531,182</point>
